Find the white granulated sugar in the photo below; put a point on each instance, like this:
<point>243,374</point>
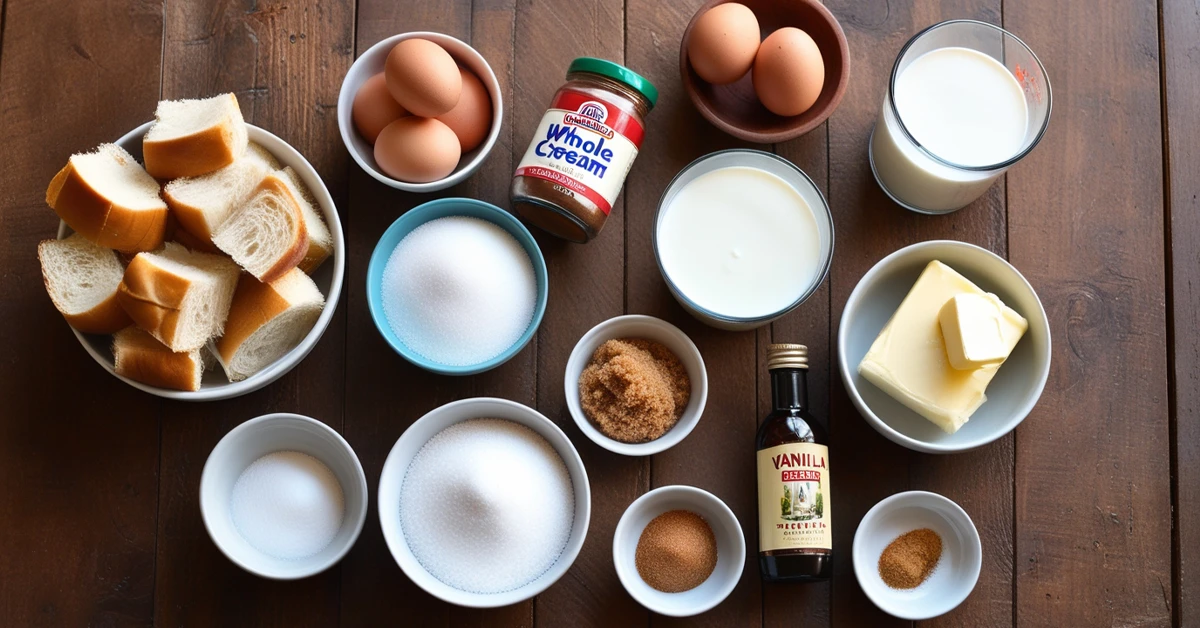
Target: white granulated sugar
<point>487,506</point>
<point>287,505</point>
<point>459,290</point>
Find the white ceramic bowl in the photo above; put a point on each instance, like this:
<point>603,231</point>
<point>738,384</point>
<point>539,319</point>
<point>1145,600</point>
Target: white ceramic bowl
<point>268,434</point>
<point>415,437</point>
<point>1012,393</point>
<point>637,326</point>
<point>956,573</point>
<point>731,550</point>
<point>371,63</point>
<point>328,278</point>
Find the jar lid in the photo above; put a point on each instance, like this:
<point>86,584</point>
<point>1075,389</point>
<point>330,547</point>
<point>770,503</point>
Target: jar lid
<point>787,356</point>
<point>616,72</point>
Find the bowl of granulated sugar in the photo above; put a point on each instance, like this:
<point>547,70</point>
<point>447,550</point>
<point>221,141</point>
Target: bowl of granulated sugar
<point>457,286</point>
<point>484,502</point>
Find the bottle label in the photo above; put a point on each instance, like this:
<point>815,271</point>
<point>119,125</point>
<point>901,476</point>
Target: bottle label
<point>793,498</point>
<point>585,144</point>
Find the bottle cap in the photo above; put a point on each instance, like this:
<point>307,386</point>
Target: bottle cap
<point>787,356</point>
<point>617,72</point>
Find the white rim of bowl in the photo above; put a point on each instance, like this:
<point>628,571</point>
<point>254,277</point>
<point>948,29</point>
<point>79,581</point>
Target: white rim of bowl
<point>879,424</point>
<point>492,600</point>
<point>461,172</point>
<point>287,361</point>
<point>236,433</point>
<point>885,503</point>
<point>698,494</point>
<point>675,435</point>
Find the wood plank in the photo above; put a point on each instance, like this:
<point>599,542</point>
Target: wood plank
<point>373,586</point>
<point>285,62</point>
<point>1181,89</point>
<point>1086,224</point>
<point>78,448</point>
<point>586,287</point>
<point>869,226</point>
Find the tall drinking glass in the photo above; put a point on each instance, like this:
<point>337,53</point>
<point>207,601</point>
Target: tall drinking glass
<point>966,100</point>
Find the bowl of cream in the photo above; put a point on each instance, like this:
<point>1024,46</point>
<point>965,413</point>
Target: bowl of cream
<point>742,237</point>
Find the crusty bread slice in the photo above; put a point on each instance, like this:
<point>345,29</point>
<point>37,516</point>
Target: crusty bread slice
<point>142,358</point>
<point>180,297</point>
<point>266,235</point>
<point>201,204</point>
<point>82,280</point>
<point>194,137</point>
<point>266,321</point>
<point>320,240</point>
<point>107,196</point>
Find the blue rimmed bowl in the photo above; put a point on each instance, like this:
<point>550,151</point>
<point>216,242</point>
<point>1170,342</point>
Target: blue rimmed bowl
<point>443,208</point>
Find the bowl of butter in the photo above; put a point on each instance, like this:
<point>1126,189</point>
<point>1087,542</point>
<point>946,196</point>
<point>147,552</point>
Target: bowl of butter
<point>944,346</point>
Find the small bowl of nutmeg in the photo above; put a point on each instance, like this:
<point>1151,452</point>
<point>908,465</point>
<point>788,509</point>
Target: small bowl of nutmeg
<point>636,385</point>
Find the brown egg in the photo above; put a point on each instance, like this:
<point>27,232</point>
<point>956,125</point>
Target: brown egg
<point>423,77</point>
<point>417,150</point>
<point>788,72</point>
<point>723,43</point>
<point>471,118</point>
<point>374,108</point>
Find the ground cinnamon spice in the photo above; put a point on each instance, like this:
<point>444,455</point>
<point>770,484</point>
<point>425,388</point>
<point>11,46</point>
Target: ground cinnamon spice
<point>676,552</point>
<point>908,560</point>
<point>633,389</point>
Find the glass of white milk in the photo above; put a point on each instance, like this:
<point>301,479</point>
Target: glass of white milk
<point>742,237</point>
<point>966,101</point>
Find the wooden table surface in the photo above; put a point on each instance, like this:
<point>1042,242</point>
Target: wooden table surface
<point>1089,512</point>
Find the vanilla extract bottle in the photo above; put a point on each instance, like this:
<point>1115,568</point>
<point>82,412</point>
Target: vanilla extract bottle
<point>795,535</point>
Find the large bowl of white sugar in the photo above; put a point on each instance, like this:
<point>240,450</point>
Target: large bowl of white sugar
<point>457,286</point>
<point>484,502</point>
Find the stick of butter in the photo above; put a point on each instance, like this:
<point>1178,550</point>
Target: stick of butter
<point>978,329</point>
<point>908,359</point>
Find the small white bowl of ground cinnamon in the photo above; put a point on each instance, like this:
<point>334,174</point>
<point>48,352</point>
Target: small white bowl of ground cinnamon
<point>635,385</point>
<point>917,555</point>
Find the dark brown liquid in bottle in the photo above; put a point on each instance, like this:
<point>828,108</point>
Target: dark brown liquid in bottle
<point>791,422</point>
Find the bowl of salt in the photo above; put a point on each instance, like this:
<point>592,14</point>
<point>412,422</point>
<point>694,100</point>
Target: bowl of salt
<point>484,502</point>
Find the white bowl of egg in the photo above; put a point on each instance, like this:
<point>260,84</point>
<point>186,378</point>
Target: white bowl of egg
<point>742,237</point>
<point>420,111</point>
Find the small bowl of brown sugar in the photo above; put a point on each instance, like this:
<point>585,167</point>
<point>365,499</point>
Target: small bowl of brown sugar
<point>636,385</point>
<point>917,555</point>
<point>679,550</point>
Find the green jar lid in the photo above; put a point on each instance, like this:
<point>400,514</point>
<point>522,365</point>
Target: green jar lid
<point>616,72</point>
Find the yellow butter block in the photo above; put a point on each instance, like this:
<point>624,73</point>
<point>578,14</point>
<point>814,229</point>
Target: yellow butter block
<point>979,330</point>
<point>908,359</point>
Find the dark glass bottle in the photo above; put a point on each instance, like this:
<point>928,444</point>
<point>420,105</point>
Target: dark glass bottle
<point>794,517</point>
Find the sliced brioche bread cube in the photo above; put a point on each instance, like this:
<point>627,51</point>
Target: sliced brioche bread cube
<point>266,235</point>
<point>266,321</point>
<point>176,233</point>
<point>140,357</point>
<point>180,297</point>
<point>82,279</point>
<point>255,152</point>
<point>106,196</point>
<point>194,137</point>
<point>320,240</point>
<point>201,204</point>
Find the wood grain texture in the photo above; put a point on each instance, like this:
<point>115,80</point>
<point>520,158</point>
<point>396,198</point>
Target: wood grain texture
<point>1181,89</point>
<point>284,60</point>
<point>1086,226</point>
<point>78,478</point>
<point>869,226</point>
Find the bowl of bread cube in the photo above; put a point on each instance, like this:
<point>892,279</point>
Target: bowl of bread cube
<point>198,257</point>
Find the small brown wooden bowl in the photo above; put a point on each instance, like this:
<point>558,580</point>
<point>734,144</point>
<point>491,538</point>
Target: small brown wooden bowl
<point>735,108</point>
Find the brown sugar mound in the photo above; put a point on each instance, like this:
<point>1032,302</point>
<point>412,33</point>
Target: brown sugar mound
<point>908,560</point>
<point>676,552</point>
<point>634,390</point>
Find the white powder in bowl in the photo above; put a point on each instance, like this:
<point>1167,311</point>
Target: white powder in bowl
<point>287,505</point>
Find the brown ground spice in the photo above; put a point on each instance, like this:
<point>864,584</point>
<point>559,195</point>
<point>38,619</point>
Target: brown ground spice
<point>908,560</point>
<point>676,552</point>
<point>633,389</point>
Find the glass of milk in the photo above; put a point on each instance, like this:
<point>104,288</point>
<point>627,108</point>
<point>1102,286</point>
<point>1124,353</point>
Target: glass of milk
<point>966,100</point>
<point>742,237</point>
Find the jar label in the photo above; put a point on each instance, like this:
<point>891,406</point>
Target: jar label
<point>793,498</point>
<point>586,145</point>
